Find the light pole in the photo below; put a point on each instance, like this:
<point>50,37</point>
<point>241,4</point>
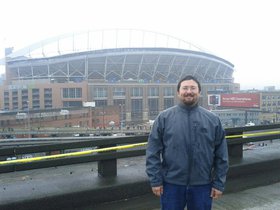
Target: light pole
<point>28,120</point>
<point>103,116</point>
<point>121,118</point>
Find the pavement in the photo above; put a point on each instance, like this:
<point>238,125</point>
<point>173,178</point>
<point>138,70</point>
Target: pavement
<point>78,187</point>
<point>260,198</point>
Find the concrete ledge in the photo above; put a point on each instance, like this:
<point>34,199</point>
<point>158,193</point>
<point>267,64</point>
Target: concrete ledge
<point>72,186</point>
<point>77,186</point>
<point>80,199</point>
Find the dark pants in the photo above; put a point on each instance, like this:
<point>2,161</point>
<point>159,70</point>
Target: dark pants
<point>177,197</point>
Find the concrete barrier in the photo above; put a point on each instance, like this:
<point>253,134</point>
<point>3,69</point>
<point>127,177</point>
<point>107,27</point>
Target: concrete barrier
<point>77,186</point>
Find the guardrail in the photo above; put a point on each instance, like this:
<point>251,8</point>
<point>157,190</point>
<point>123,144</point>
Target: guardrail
<point>107,150</point>
<point>70,131</point>
<point>237,137</point>
<point>106,158</point>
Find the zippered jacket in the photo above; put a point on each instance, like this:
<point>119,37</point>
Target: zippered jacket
<point>187,146</point>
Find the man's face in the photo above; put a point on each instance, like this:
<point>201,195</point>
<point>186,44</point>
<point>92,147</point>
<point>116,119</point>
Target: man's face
<point>189,92</point>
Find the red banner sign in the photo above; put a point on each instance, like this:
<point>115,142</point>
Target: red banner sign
<point>246,100</point>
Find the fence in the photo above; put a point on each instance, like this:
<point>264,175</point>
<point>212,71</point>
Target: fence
<point>107,150</point>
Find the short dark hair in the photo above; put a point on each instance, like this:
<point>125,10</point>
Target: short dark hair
<point>188,77</point>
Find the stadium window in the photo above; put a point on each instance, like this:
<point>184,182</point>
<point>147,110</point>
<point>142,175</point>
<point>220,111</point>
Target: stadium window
<point>136,109</point>
<point>137,91</point>
<point>168,102</point>
<point>153,104</point>
<point>119,91</point>
<point>168,91</point>
<point>153,91</point>
<point>72,92</point>
<point>100,92</point>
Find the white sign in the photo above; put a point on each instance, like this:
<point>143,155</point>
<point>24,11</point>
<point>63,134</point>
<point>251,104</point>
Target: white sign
<point>89,104</point>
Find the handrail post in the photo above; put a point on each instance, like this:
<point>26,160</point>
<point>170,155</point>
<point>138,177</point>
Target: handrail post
<point>107,168</point>
<point>235,150</point>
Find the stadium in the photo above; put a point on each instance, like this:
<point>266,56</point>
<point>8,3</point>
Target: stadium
<point>133,69</point>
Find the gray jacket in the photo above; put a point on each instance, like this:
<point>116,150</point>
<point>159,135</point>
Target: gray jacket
<point>187,146</point>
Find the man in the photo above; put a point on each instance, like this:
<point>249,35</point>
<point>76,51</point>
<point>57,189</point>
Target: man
<point>186,157</point>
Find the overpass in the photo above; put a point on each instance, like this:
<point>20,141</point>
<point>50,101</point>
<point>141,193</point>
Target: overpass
<point>88,185</point>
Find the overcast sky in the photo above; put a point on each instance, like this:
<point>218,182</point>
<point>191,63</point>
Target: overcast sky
<point>244,32</point>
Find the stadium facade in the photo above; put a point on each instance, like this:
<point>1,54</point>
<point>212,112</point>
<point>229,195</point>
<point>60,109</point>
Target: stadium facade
<point>140,80</point>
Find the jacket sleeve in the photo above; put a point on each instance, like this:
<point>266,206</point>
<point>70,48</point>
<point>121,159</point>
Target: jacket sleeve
<point>221,164</point>
<point>153,154</point>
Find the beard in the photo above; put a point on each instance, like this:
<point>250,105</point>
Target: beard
<point>189,99</point>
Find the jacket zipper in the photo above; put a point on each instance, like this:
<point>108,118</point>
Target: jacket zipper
<point>189,150</point>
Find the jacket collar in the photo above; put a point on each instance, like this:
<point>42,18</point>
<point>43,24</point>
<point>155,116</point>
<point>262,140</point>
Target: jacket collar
<point>186,107</point>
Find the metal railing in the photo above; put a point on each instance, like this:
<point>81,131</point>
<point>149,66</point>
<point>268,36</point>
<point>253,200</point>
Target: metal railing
<point>50,152</point>
<point>237,137</point>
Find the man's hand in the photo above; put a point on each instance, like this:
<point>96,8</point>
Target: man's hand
<point>216,193</point>
<point>158,190</point>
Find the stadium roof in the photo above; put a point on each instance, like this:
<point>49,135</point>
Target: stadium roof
<point>116,55</point>
<point>101,39</point>
<point>125,64</point>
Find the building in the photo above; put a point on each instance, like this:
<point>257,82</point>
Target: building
<point>270,105</point>
<point>85,118</point>
<point>141,80</point>
<point>238,109</point>
<point>237,117</point>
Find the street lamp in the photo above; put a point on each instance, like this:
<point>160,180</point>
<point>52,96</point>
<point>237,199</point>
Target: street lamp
<point>121,118</point>
<point>28,120</point>
<point>103,117</point>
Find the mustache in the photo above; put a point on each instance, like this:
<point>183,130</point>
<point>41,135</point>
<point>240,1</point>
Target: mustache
<point>189,94</point>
